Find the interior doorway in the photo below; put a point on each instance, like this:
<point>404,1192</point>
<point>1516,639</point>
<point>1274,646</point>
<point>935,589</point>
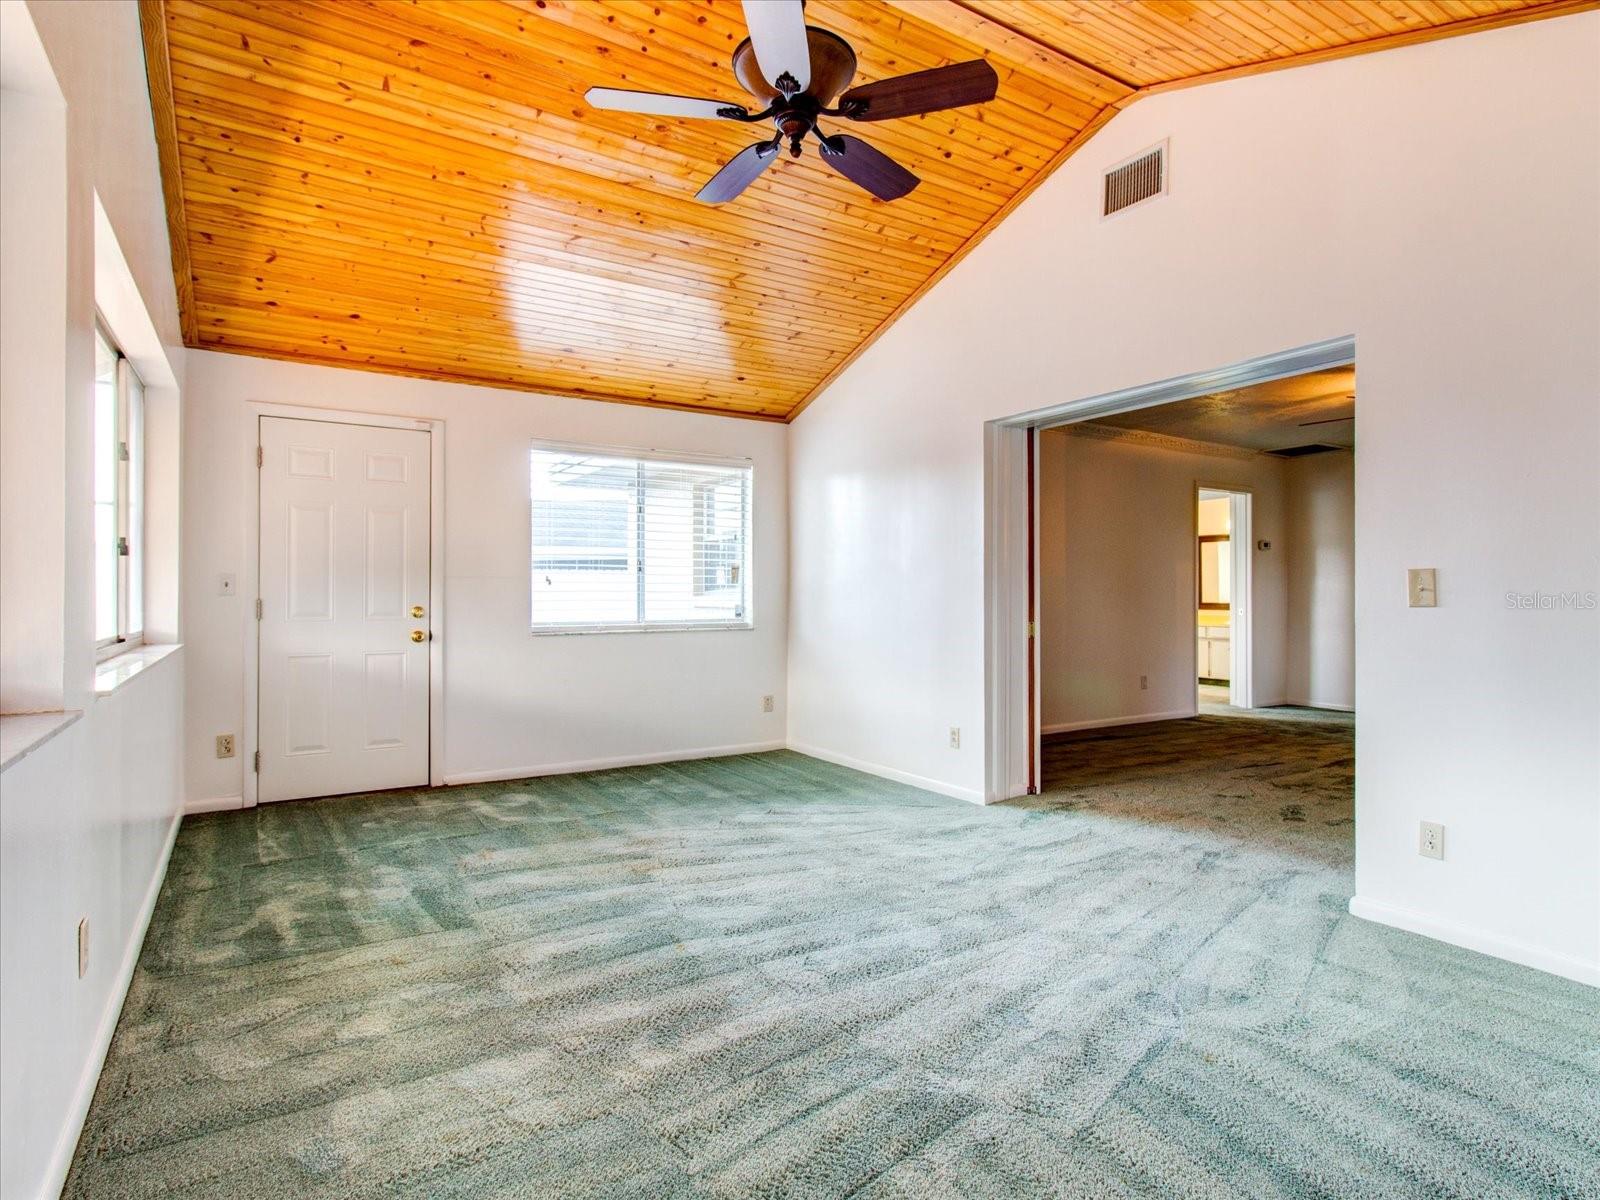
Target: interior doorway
<point>1223,590</point>
<point>1132,665</point>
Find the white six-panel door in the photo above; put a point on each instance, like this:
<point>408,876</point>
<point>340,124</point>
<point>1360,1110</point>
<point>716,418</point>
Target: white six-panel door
<point>344,623</point>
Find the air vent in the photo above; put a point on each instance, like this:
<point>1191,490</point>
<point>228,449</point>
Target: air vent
<point>1302,451</point>
<point>1142,177</point>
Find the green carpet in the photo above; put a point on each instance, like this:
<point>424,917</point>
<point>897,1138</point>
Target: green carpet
<point>769,976</point>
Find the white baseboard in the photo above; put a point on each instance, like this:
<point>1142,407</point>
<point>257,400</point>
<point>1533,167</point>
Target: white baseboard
<point>213,804</point>
<point>67,1143</point>
<point>919,781</point>
<point>605,764</point>
<point>1349,708</point>
<point>1480,940</point>
<point>1176,714</point>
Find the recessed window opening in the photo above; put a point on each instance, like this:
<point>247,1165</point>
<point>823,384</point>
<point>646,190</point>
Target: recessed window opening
<point>627,541</point>
<point>118,499</point>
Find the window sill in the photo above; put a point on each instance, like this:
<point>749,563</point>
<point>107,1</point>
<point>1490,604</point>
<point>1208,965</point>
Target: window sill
<point>129,665</point>
<point>663,627</point>
<point>23,733</point>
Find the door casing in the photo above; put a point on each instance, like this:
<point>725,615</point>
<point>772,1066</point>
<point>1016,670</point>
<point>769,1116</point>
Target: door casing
<point>1006,545</point>
<point>1241,582</point>
<point>251,573</point>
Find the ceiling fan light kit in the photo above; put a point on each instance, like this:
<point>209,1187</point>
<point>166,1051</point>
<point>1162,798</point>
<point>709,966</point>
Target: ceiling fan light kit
<point>796,72</point>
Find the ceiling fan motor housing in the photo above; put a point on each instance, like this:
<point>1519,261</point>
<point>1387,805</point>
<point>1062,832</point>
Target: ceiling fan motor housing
<point>833,66</point>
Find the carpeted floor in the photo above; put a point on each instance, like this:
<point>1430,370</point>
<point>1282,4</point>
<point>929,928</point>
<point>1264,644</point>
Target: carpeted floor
<point>768,976</point>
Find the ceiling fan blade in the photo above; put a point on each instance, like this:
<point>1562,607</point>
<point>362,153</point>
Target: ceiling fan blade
<point>778,37</point>
<point>739,173</point>
<point>871,169</point>
<point>661,104</point>
<point>922,92</point>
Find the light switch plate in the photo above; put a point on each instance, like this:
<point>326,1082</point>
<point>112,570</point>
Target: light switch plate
<point>1422,587</point>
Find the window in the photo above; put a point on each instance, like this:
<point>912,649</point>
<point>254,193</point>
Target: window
<point>629,541</point>
<point>118,500</point>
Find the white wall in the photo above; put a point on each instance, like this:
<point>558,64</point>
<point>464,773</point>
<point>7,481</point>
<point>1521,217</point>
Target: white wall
<point>1116,577</point>
<point>1386,197</point>
<point>86,824</point>
<point>33,314</point>
<point>1319,546</point>
<point>514,704</point>
<point>86,818</point>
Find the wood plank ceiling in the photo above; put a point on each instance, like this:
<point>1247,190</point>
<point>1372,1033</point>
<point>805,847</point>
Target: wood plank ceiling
<point>419,188</point>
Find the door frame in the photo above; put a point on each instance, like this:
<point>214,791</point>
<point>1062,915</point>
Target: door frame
<point>1006,546</point>
<point>250,588</point>
<point>1241,582</point>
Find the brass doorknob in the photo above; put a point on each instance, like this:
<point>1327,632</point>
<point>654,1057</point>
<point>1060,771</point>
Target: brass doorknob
<point>417,635</point>
<point>416,612</point>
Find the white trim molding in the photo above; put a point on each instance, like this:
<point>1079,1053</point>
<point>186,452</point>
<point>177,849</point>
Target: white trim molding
<point>502,774</point>
<point>1480,940</point>
<point>213,804</point>
<point>1177,714</point>
<point>971,795</point>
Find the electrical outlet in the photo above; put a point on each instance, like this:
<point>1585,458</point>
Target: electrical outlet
<point>1144,683</point>
<point>83,947</point>
<point>1430,840</point>
<point>768,703</point>
<point>955,737</point>
<point>224,745</point>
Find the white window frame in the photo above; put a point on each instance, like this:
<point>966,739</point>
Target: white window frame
<point>125,638</point>
<point>640,457</point>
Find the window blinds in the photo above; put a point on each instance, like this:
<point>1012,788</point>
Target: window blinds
<point>626,541</point>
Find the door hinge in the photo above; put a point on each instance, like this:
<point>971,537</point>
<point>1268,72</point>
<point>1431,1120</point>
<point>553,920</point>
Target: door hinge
<point>260,456</point>
<point>255,764</point>
<point>1033,629</point>
<point>122,452</point>
<point>258,608</point>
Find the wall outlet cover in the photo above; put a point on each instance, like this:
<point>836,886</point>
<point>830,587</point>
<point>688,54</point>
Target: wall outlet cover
<point>1430,840</point>
<point>224,745</point>
<point>955,737</point>
<point>768,703</point>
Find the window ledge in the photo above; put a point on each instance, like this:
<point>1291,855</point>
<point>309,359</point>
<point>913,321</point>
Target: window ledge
<point>23,733</point>
<point>642,627</point>
<point>129,665</point>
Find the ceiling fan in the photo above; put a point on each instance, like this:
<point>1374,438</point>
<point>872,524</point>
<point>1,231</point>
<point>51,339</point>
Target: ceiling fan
<point>795,71</point>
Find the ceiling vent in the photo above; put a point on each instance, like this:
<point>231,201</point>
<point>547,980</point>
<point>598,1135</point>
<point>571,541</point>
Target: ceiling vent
<point>1302,451</point>
<point>1142,177</point>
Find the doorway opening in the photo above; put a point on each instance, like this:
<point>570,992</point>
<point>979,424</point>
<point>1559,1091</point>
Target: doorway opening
<point>1222,590</point>
<point>1095,573</point>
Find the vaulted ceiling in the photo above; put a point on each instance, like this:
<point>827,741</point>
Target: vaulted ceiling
<point>419,188</point>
